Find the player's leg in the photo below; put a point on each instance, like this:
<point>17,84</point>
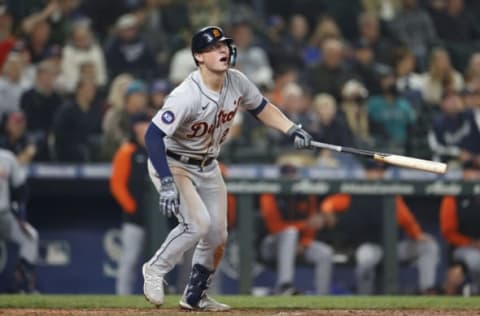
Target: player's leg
<point>321,255</point>
<point>286,253</point>
<point>133,238</point>
<point>471,257</point>
<point>426,255</point>
<point>26,237</point>
<point>194,223</point>
<point>209,250</point>
<point>367,257</point>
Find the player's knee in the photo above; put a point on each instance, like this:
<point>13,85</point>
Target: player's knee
<point>289,233</point>
<point>430,248</point>
<point>200,227</point>
<point>322,252</point>
<point>367,256</point>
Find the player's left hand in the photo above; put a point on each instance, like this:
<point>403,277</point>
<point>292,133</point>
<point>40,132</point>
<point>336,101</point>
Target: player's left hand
<point>169,201</point>
<point>302,138</point>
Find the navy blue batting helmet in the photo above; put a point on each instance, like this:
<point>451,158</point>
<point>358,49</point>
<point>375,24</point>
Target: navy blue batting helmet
<point>210,35</point>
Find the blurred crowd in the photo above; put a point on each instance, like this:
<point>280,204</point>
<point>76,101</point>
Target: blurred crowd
<point>401,76</point>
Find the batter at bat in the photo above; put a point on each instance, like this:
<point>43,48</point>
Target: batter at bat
<point>183,142</point>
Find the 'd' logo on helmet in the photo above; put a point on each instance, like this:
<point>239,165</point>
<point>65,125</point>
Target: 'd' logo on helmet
<point>216,33</point>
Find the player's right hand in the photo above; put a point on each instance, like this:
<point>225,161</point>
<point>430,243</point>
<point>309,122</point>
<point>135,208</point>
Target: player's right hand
<point>169,200</point>
<point>302,139</point>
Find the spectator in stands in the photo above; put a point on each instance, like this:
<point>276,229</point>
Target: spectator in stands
<point>364,66</point>
<point>38,41</point>
<point>331,127</point>
<point>128,185</point>
<point>115,123</point>
<point>158,91</point>
<point>325,29</point>
<point>15,138</point>
<point>359,221</point>
<point>103,14</point>
<point>282,76</point>
<point>370,34</point>
<point>82,49</point>
<point>11,87</point>
<point>28,69</point>
<point>128,52</point>
<point>384,10</point>
<point>295,108</point>
<point>459,218</point>
<point>473,68</point>
<point>354,110</point>
<point>455,133</point>
<point>330,75</point>
<point>252,60</point>
<point>181,64</point>
<point>410,84</point>
<point>454,23</point>
<point>40,105</point>
<point>77,126</point>
<point>58,15</point>
<point>390,116</point>
<point>291,222</point>
<point>7,40</point>
<point>413,27</point>
<point>295,41</point>
<point>152,17</point>
<point>441,77</point>
<point>116,94</point>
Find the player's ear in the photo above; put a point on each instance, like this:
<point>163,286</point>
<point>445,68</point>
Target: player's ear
<point>198,58</point>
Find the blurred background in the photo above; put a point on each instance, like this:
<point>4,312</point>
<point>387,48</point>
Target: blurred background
<point>396,76</point>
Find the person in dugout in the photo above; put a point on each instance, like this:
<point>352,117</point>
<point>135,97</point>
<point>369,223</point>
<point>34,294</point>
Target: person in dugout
<point>128,183</point>
<point>459,219</point>
<point>359,225</point>
<point>291,222</point>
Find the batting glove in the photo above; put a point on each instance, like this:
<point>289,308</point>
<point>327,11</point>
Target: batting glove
<point>302,138</point>
<point>169,201</point>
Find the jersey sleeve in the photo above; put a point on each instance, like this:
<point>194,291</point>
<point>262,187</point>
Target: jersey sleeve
<point>121,170</point>
<point>406,220</point>
<point>449,225</point>
<point>253,100</point>
<point>177,109</point>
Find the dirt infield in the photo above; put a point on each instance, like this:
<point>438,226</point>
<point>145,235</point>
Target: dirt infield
<point>273,312</point>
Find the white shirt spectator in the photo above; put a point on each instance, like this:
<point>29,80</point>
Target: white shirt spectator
<point>181,66</point>
<point>82,50</point>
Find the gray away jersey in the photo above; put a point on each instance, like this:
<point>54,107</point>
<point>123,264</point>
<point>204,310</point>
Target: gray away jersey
<point>197,120</point>
<point>11,175</point>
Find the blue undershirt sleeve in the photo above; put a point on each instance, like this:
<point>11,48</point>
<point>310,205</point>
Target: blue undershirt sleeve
<point>156,150</point>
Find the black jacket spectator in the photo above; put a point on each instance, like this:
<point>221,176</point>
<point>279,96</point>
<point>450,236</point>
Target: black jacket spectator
<point>330,75</point>
<point>77,126</point>
<point>129,52</point>
<point>40,105</point>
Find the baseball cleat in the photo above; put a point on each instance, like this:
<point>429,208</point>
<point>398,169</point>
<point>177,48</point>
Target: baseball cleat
<point>206,303</point>
<point>152,286</point>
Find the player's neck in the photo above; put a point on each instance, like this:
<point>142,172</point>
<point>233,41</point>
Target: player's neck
<point>212,80</point>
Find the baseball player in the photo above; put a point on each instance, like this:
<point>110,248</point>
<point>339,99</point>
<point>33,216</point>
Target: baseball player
<point>459,218</point>
<point>127,184</point>
<point>361,221</point>
<point>291,223</point>
<point>183,142</point>
<point>13,226</point>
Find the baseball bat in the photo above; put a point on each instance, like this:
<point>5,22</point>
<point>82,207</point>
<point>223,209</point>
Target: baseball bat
<point>397,160</point>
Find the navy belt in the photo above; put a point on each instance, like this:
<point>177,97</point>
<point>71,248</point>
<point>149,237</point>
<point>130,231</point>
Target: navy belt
<point>189,160</point>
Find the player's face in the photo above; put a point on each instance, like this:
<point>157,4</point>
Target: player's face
<point>216,57</point>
